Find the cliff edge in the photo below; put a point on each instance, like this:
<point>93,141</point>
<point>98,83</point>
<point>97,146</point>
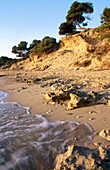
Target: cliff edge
<point>79,51</point>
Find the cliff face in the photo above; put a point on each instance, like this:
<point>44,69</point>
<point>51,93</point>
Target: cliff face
<point>78,51</point>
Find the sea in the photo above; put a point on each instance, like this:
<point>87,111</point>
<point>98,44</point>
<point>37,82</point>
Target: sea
<point>30,142</point>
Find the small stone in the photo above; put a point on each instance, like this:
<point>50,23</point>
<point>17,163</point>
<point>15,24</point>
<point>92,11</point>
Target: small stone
<point>77,116</point>
<point>53,103</point>
<point>104,119</point>
<point>64,104</point>
<point>50,110</point>
<point>70,113</point>
<point>75,138</point>
<point>92,112</point>
<point>16,117</point>
<point>108,102</point>
<point>96,144</point>
<point>90,119</point>
<point>96,133</point>
<point>106,146</point>
<point>54,87</point>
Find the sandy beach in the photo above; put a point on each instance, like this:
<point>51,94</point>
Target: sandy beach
<point>31,95</point>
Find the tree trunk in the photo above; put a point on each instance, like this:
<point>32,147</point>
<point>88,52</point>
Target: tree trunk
<point>80,26</point>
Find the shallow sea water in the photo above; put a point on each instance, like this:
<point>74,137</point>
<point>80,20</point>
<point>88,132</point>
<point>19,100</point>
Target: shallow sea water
<point>30,142</point>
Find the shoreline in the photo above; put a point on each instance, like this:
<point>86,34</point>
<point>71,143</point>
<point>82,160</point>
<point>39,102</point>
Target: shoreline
<point>32,96</point>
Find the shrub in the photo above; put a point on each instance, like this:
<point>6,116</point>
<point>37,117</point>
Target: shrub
<point>45,46</point>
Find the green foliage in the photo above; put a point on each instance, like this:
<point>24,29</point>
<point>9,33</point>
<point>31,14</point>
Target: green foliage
<point>44,46</point>
<point>103,27</point>
<point>66,28</point>
<point>34,43</point>
<point>105,17</point>
<point>22,46</point>
<point>37,47</point>
<point>75,14</point>
<point>74,32</point>
<point>103,31</point>
<point>21,50</point>
<point>75,17</point>
<point>14,49</point>
<point>4,61</point>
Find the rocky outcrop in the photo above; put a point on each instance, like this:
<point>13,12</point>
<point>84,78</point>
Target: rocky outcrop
<point>78,157</point>
<point>105,133</point>
<point>75,98</point>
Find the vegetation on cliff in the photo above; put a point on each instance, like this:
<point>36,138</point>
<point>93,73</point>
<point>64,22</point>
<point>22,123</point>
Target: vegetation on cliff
<point>76,17</point>
<point>105,17</point>
<point>46,45</point>
<point>21,49</point>
<point>6,62</point>
<point>104,30</point>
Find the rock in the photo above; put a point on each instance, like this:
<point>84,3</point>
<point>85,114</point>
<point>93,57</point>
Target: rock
<point>105,134</point>
<point>78,116</point>
<point>75,98</point>
<point>62,157</point>
<point>106,86</point>
<point>37,79</point>
<point>108,102</point>
<point>96,144</point>
<point>93,95</point>
<point>91,119</point>
<point>16,117</point>
<point>56,98</point>
<point>61,91</point>
<point>103,152</point>
<point>53,103</point>
<point>73,103</point>
<point>78,157</point>
<point>49,96</point>
<point>30,81</point>
<point>54,87</point>
<point>96,133</point>
<point>92,112</point>
<point>44,85</point>
<point>102,101</point>
<point>44,67</point>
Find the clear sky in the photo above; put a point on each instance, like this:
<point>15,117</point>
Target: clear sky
<point>25,20</point>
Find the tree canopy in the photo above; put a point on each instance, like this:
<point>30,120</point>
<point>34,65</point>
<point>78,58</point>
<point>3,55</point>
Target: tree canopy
<point>66,28</point>
<point>21,49</point>
<point>44,46</point>
<point>105,17</point>
<point>39,47</point>
<point>76,17</point>
<point>4,60</point>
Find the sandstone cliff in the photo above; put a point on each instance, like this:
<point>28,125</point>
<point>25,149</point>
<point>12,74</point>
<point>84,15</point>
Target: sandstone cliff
<point>77,51</point>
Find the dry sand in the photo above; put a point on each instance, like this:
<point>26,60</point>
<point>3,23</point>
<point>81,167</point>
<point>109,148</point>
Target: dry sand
<point>31,95</point>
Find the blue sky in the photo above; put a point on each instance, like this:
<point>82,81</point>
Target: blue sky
<point>25,20</point>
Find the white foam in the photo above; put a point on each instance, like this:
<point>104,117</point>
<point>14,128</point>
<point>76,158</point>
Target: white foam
<point>2,96</point>
<point>34,132</point>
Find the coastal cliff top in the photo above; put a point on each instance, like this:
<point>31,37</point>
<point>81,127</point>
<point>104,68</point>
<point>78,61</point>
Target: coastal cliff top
<point>89,49</point>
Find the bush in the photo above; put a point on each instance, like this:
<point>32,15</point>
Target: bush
<point>4,61</point>
<point>45,46</point>
<point>103,31</point>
